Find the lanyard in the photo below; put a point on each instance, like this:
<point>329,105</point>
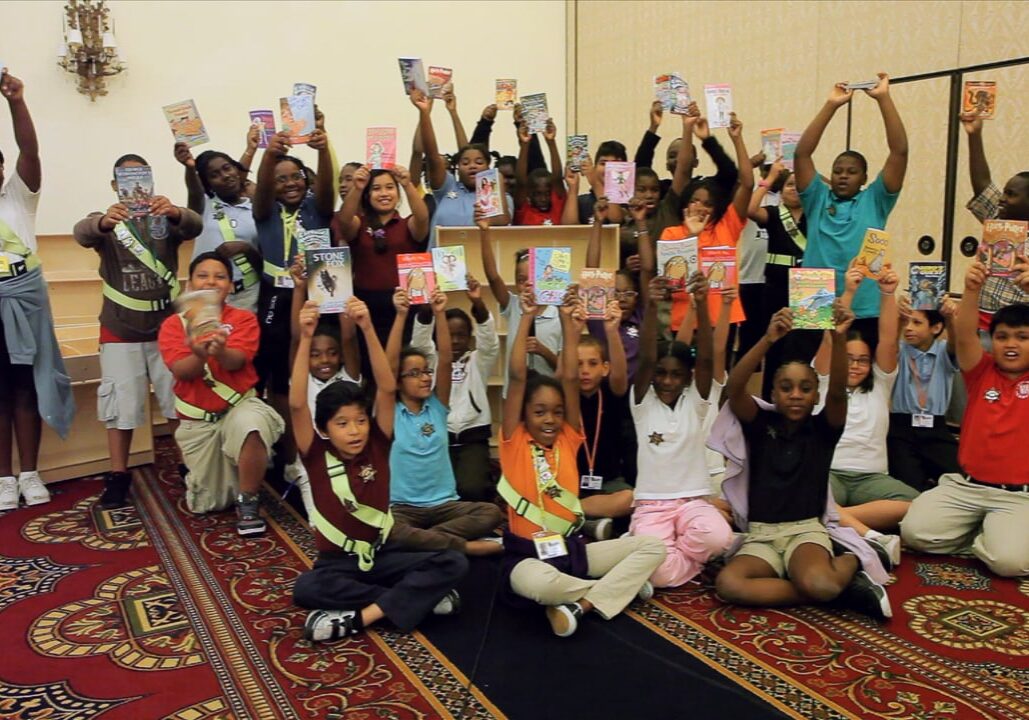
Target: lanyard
<point>289,227</point>
<point>225,225</point>
<point>920,390</point>
<point>591,453</point>
<point>546,478</point>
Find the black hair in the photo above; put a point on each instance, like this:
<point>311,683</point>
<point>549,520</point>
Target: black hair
<point>1014,316</point>
<point>794,361</point>
<point>210,256</point>
<point>505,159</point>
<point>371,215</point>
<point>676,349</point>
<point>130,157</point>
<point>611,148</point>
<point>714,191</point>
<point>868,383</point>
<point>521,254</point>
<point>630,276</point>
<point>472,146</point>
<point>645,172</point>
<point>410,351</point>
<point>459,314</point>
<point>304,170</point>
<point>336,395</point>
<point>329,330</point>
<point>539,174</point>
<point>537,380</point>
<point>933,317</point>
<point>351,164</point>
<point>857,156</point>
<point>207,157</point>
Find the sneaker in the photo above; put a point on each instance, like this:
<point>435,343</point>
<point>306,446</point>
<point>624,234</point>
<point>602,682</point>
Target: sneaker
<point>116,488</point>
<point>248,515</point>
<point>866,596</point>
<point>564,619</point>
<point>330,625</point>
<point>449,604</point>
<point>8,493</point>
<point>646,592</point>
<point>880,551</point>
<point>599,529</point>
<point>33,489</point>
<point>891,544</point>
<point>293,472</point>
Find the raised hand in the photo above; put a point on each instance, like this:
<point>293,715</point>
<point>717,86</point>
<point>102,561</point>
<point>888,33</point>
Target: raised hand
<point>298,270</point>
<point>698,285</point>
<point>12,88</point>
<point>421,101</point>
<point>489,112</point>
<point>852,278</point>
<point>971,122</point>
<point>309,316</point>
<point>637,209</point>
<point>253,138</point>
<point>780,325</point>
<point>523,134</point>
<point>474,290</point>
<point>949,306</point>
<point>888,281</point>
<point>600,209</point>
<point>701,129</point>
<point>612,315</point>
<point>162,206</point>
<point>657,113</point>
<point>735,128</point>
<point>438,301</point>
<point>319,140</point>
<point>840,95</point>
<point>976,276</point>
<point>729,294</point>
<point>658,288</point>
<point>115,214</point>
<point>449,98</point>
<point>882,88</point>
<point>550,131</point>
<point>184,155</point>
<point>527,300</point>
<point>279,143</point>
<point>361,178</point>
<point>842,317</point>
<point>358,312</point>
<point>401,175</point>
<point>401,301</point>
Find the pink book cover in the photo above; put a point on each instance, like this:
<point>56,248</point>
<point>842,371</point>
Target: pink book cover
<point>719,265</point>
<point>438,77</point>
<point>619,181</point>
<point>381,147</point>
<point>416,276</point>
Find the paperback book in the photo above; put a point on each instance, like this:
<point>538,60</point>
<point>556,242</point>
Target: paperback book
<point>135,188</point>
<point>874,256</point>
<point>862,84</point>
<point>297,117</point>
<point>551,271</point>
<point>980,98</point>
<point>451,268</point>
<point>489,197</point>
<point>719,265</point>
<point>416,276</point>
<point>380,147</point>
<point>185,123</point>
<point>578,150</point>
<point>305,89</point>
<point>506,93</point>
<point>330,282</point>
<point>202,310</point>
<point>673,92</point>
<point>412,72</point>
<point>320,239</point>
<point>264,121</point>
<point>534,112</point>
<point>718,99</point>
<point>1003,241</point>
<point>619,181</point>
<point>812,292</point>
<point>677,260</point>
<point>789,149</point>
<point>927,283</point>
<point>771,143</point>
<point>597,289</point>
<point>438,78</point>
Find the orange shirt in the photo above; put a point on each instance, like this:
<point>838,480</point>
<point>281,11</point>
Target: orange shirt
<point>725,233</point>
<point>516,463</point>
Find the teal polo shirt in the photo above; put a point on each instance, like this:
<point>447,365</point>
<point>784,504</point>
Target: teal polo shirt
<point>419,461</point>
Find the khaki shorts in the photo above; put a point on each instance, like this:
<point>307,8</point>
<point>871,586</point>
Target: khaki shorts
<point>775,543</point>
<point>857,488</point>
<point>127,372</point>
<point>211,452</point>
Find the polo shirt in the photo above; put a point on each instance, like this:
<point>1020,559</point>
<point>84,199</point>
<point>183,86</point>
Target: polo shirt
<point>419,461</point>
<point>315,386</point>
<point>377,271</point>
<point>936,370</point>
<point>833,239</point>
<point>240,217</point>
<point>548,332</point>
<point>671,460</point>
<point>608,445</point>
<point>993,430</point>
<point>527,214</point>
<point>455,206</point>
<point>18,210</point>
<point>271,237</point>
<point>862,446</point>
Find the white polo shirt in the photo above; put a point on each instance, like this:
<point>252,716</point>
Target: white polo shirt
<point>18,210</point>
<point>672,458</point>
<point>862,447</point>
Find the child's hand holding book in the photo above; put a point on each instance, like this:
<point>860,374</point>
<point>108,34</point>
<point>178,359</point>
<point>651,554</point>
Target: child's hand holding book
<point>780,325</point>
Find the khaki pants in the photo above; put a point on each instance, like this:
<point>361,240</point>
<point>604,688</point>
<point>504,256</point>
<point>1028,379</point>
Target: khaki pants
<point>961,517</point>
<point>211,452</point>
<point>617,570</point>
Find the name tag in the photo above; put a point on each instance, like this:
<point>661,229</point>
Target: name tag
<point>919,420</point>
<point>549,545</point>
<point>284,281</point>
<point>5,265</point>
<point>591,482</point>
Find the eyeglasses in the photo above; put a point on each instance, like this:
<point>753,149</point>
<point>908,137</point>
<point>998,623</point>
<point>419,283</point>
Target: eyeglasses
<point>417,373</point>
<point>859,361</point>
<point>295,177</point>
<point>625,294</point>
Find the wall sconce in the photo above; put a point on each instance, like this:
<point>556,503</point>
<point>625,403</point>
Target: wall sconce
<point>89,49</point>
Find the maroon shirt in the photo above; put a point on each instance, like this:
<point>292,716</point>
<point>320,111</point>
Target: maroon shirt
<point>378,271</point>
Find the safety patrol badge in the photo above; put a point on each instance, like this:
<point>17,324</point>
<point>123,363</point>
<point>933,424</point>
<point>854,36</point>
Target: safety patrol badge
<point>552,491</point>
<point>350,506</point>
<point>452,195</point>
<point>428,429</point>
<point>656,438</point>
<point>1022,390</point>
<point>366,473</point>
<point>992,395</point>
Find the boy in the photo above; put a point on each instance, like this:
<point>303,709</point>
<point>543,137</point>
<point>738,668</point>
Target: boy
<point>540,195</point>
<point>139,264</point>
<point>985,509</point>
<point>581,212</point>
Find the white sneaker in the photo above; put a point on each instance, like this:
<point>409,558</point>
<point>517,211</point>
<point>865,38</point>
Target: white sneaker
<point>892,545</point>
<point>646,592</point>
<point>33,489</point>
<point>8,493</point>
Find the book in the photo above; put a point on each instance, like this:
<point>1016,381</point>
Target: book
<point>330,281</point>
<point>264,121</point>
<point>488,195</point>
<point>980,97</point>
<point>416,275</point>
<point>202,310</point>
<point>550,269</point>
<point>718,99</point>
<point>412,72</point>
<point>320,239</point>
<point>862,85</point>
<point>1002,242</point>
<point>789,149</point>
<point>297,113</point>
<point>135,188</point>
<point>506,93</point>
<point>451,268</point>
<point>380,147</point>
<point>719,265</point>
<point>771,144</point>
<point>578,150</point>
<point>812,292</point>
<point>874,256</point>
<point>534,112</point>
<point>677,260</point>
<point>185,123</point>
<point>927,283</point>
<point>438,78</point>
<point>597,289</point>
<point>673,92</point>
<point>619,181</point>
<point>305,89</point>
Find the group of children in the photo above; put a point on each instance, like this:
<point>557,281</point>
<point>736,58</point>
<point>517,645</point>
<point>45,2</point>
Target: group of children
<point>380,415</point>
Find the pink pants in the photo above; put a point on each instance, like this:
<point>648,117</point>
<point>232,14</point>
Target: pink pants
<point>693,531</point>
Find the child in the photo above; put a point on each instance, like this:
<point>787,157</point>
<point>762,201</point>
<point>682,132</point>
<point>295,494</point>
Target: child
<point>226,432</point>
<point>358,579</point>
<point>541,194</point>
<point>423,492</point>
<point>581,211</point>
<point>984,510</point>
<point>547,560</point>
<point>139,261</point>
<point>787,555</point>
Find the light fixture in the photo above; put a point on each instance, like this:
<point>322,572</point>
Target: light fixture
<point>89,49</point>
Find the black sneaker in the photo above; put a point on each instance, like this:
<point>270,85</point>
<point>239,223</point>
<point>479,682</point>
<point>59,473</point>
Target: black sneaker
<point>330,625</point>
<point>116,489</point>
<point>248,515</point>
<point>449,604</point>
<point>866,596</point>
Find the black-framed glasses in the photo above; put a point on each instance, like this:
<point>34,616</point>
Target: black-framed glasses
<point>417,373</point>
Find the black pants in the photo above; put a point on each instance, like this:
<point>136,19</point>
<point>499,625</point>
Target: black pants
<point>272,359</point>
<point>406,585</point>
<point>918,456</point>
<point>758,316</point>
<point>472,468</point>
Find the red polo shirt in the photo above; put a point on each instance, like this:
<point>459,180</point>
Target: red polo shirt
<point>378,270</point>
<point>526,214</point>
<point>993,432</point>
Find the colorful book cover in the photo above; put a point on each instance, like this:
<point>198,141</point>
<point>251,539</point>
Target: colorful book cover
<point>718,99</point>
<point>551,272</point>
<point>507,93</point>
<point>297,117</point>
<point>771,143</point>
<point>412,72</point>
<point>185,123</point>
<point>673,92</point>
<point>578,150</point>
<point>789,149</point>
<point>305,89</point>
<point>488,196</point>
<point>812,293</point>
<point>719,265</point>
<point>1003,241</point>
<point>416,276</point>
<point>927,283</point>
<point>619,181</point>
<point>677,260</point>
<point>980,98</point>
<point>597,289</point>
<point>264,121</point>
<point>202,310</point>
<point>320,239</point>
<point>450,266</point>
<point>380,147</point>
<point>534,112</point>
<point>135,188</point>
<point>330,282</point>
<point>874,256</point>
<point>438,77</point>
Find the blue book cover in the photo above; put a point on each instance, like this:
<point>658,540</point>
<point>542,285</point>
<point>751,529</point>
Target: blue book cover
<point>551,273</point>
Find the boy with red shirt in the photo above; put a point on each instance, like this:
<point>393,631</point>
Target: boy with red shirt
<point>985,511</point>
<point>539,195</point>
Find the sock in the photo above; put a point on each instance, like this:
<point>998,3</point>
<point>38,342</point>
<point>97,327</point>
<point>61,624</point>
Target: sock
<point>872,534</point>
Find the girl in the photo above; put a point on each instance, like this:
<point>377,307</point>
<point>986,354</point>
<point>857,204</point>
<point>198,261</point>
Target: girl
<point>423,494</point>
<point>540,195</point>
<point>547,560</point>
<point>355,581</point>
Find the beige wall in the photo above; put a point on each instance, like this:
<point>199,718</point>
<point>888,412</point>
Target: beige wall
<point>232,57</point>
<point>783,57</point>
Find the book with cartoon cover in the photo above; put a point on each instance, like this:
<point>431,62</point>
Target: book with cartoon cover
<point>980,98</point>
<point>812,292</point>
<point>185,123</point>
<point>578,150</point>
<point>417,276</point>
<point>597,289</point>
<point>789,149</point>
<point>551,271</point>
<point>874,256</point>
<point>451,269</point>
<point>719,266</point>
<point>330,281</point>
<point>619,181</point>
<point>534,112</point>
<point>318,239</point>
<point>380,147</point>
<point>506,93</point>
<point>264,121</point>
<point>718,99</point>
<point>489,197</point>
<point>438,77</point>
<point>677,260</point>
<point>673,93</point>
<point>927,283</point>
<point>771,143</point>
<point>202,310</point>
<point>297,113</point>
<point>412,73</point>
<point>1002,242</point>
<point>135,188</point>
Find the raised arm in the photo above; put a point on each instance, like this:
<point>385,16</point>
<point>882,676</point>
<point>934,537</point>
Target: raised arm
<point>756,211</point>
<point>721,334</point>
<point>522,166</point>
<point>264,195</point>
<point>484,128</point>
<point>349,222</point>
<point>385,379</point>
<point>744,188</point>
<point>593,244</point>
<point>450,100</point>
<point>648,338</point>
<point>517,367</point>
<point>489,264</point>
<point>618,376</point>
<point>966,324</point>
<point>299,411</point>
<point>896,164</point>
<point>684,160</point>
<point>28,167</point>
<point>556,164</point>
<point>324,184</point>
<point>852,279</point>
<point>978,166</point>
<point>418,221</point>
<point>889,319</point>
<point>803,164</point>
<point>742,404</point>
<point>573,322</point>
<point>437,165</point>
<point>194,188</point>
<point>444,347</point>
<point>253,139</point>
<point>349,347</point>
<point>402,304</point>
<point>836,396</point>
<point>703,368</point>
<point>648,144</point>
<point>570,212</point>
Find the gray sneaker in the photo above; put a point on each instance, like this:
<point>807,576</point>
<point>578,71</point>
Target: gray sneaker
<point>248,515</point>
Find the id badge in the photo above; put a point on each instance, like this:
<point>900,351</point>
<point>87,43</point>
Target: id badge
<point>5,265</point>
<point>920,420</point>
<point>549,545</point>
<point>591,482</point>
<point>284,281</point>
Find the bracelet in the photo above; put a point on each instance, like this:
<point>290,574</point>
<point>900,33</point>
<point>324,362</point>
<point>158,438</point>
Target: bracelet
<point>644,231</point>
<point>883,292</point>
